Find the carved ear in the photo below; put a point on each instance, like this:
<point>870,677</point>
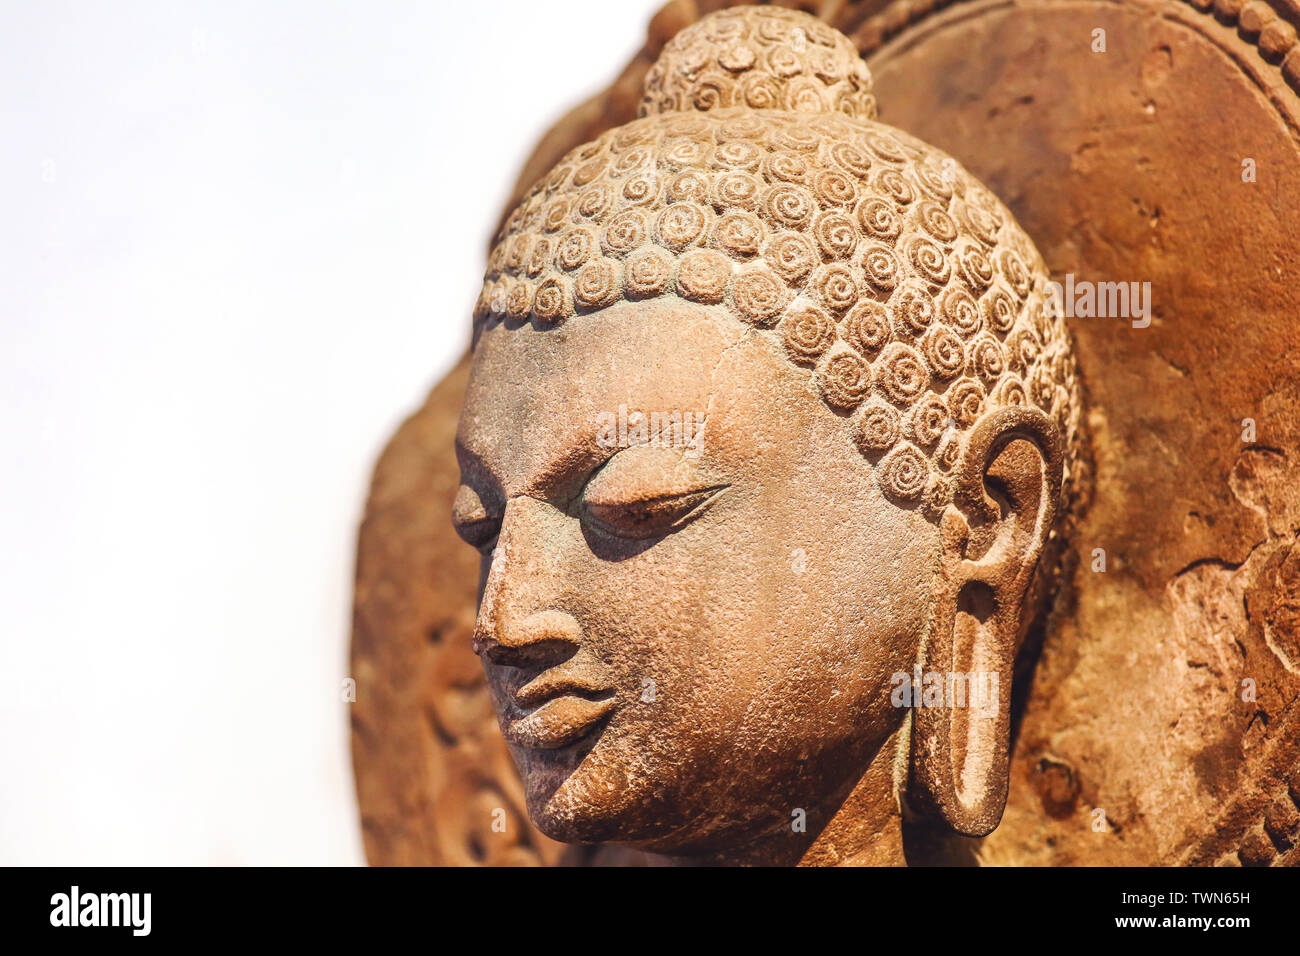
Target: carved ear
<point>1008,484</point>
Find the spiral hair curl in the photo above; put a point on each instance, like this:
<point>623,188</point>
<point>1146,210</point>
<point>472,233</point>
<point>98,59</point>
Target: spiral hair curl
<point>757,178</point>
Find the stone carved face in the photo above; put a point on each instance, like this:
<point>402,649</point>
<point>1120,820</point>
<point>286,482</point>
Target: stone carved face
<point>692,630</point>
<point>727,616</point>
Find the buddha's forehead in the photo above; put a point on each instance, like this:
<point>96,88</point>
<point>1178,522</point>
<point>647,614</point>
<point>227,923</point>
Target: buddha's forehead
<point>538,396</point>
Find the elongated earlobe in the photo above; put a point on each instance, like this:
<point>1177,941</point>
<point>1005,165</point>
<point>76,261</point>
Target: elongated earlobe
<point>1009,484</point>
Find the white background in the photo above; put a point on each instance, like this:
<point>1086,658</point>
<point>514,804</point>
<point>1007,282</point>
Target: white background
<point>239,243</point>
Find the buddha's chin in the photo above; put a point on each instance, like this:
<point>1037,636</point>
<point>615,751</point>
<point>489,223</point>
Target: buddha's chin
<point>608,797</point>
<point>587,795</point>
<point>574,795</point>
<point>572,819</point>
<point>624,820</point>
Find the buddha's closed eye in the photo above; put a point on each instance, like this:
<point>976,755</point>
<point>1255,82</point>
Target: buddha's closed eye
<point>647,517</point>
<point>645,492</point>
<point>642,492</point>
<point>475,522</point>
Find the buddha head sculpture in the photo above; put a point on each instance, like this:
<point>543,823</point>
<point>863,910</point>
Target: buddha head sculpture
<point>768,418</point>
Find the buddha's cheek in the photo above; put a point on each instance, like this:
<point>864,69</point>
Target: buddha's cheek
<point>745,692</point>
<point>688,672</point>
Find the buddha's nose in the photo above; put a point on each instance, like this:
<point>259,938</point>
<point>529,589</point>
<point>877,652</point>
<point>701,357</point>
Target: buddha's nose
<point>514,626</point>
<point>542,639</point>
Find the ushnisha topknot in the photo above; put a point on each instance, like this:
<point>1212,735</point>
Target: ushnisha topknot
<point>756,178</point>
<point>777,60</point>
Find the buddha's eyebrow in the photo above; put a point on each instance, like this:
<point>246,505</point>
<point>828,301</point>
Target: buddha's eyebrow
<point>544,477</point>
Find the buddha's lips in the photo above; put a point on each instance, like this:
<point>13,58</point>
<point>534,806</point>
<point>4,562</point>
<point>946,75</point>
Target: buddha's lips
<point>559,722</point>
<point>586,677</point>
<point>561,704</point>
